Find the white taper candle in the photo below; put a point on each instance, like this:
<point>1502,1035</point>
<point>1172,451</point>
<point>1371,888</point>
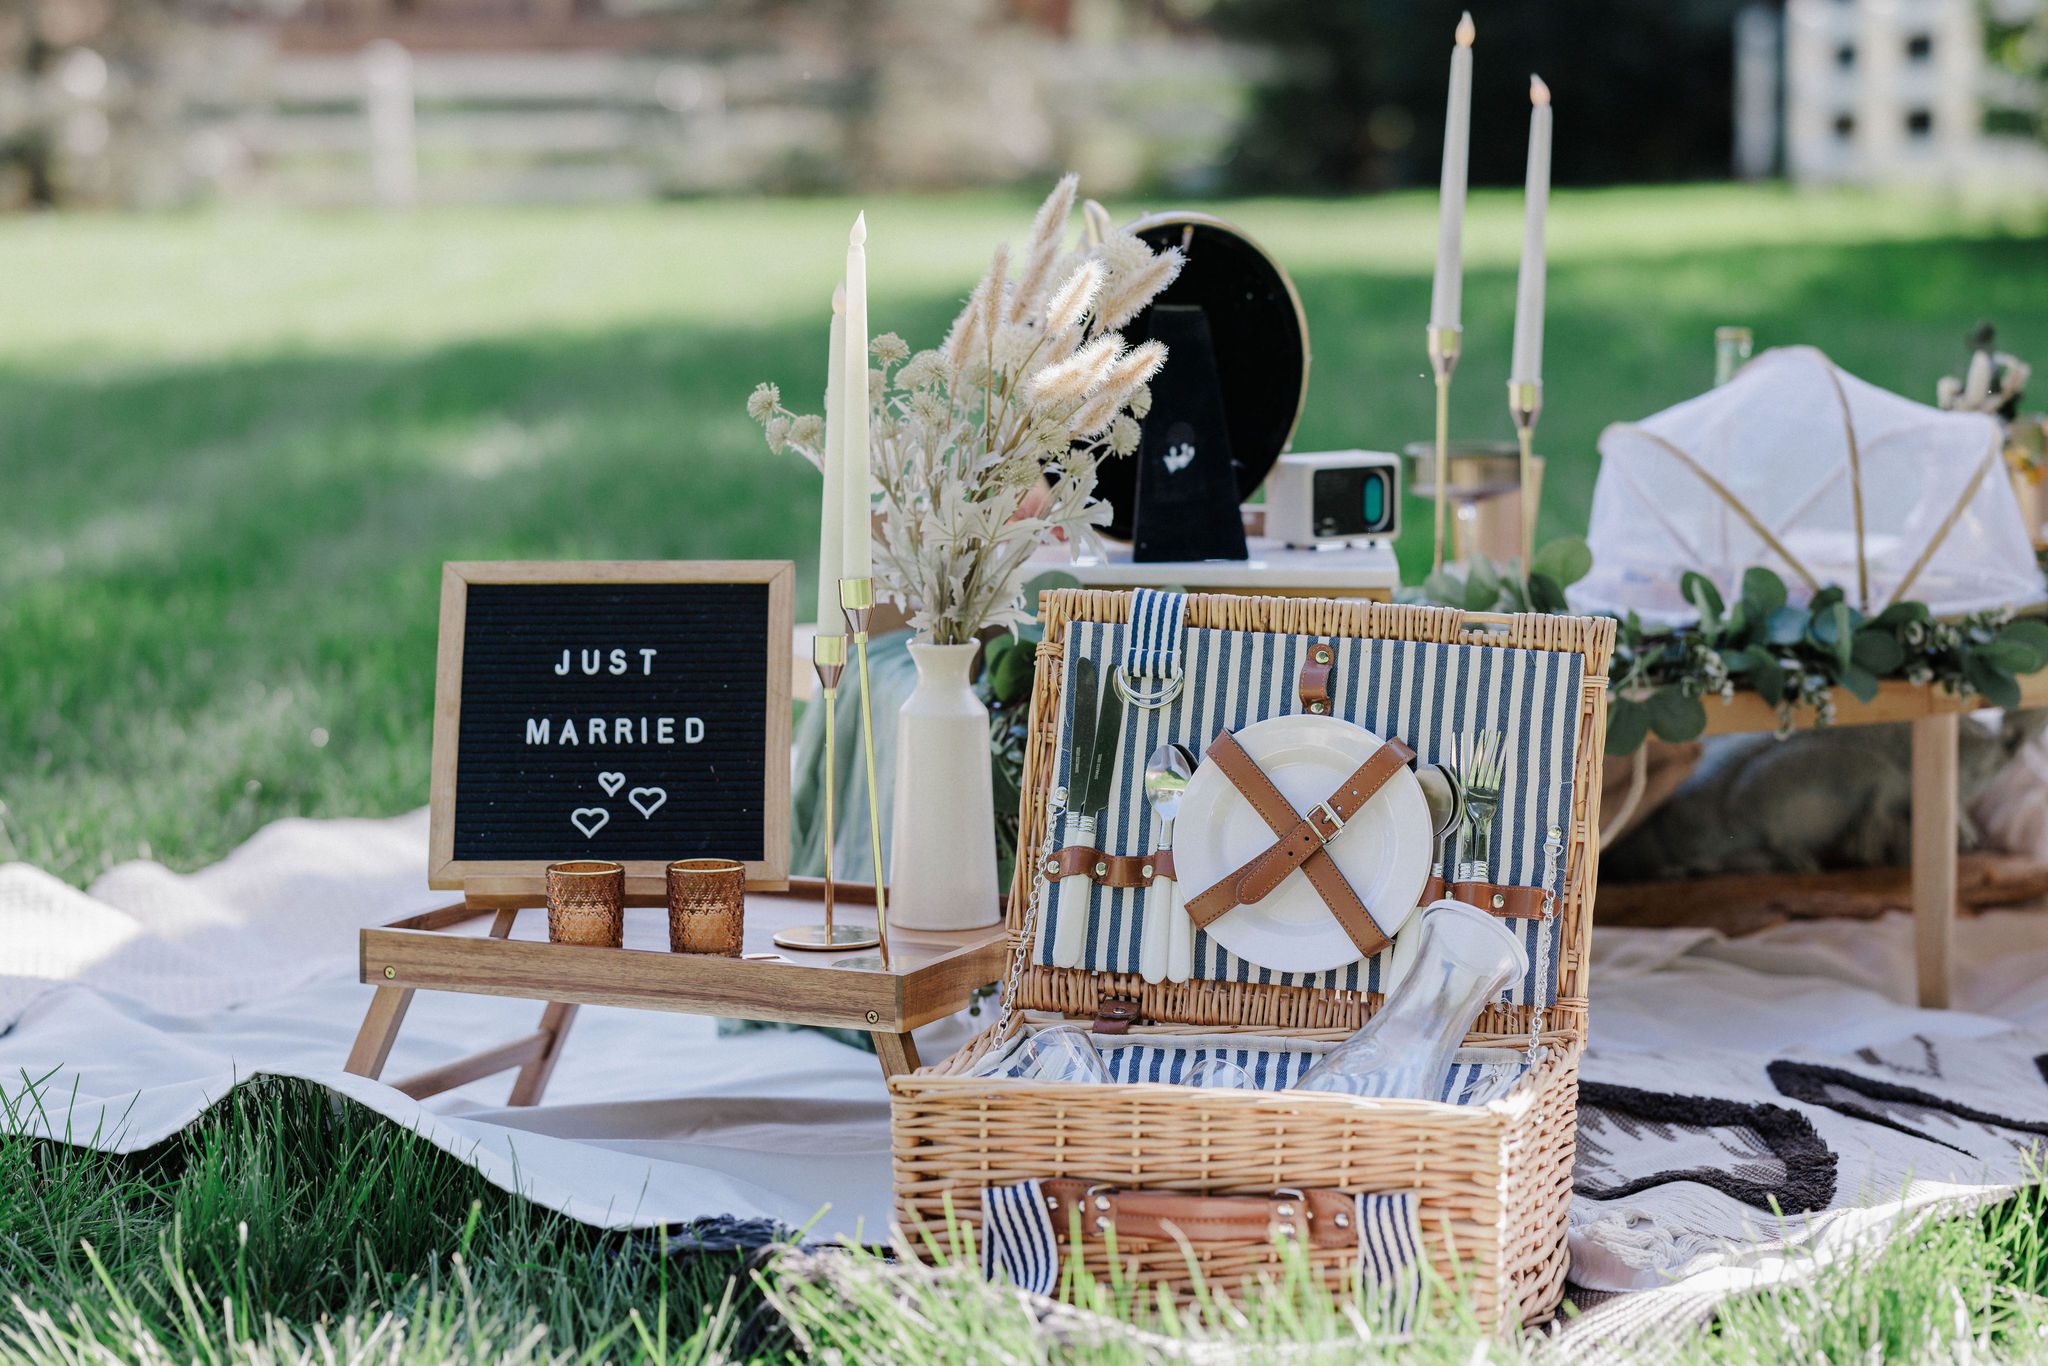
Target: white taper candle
<point>1527,365</point>
<point>832,519</point>
<point>1446,298</point>
<point>857,499</point>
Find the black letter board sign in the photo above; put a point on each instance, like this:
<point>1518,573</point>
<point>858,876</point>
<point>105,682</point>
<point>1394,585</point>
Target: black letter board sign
<point>628,711</point>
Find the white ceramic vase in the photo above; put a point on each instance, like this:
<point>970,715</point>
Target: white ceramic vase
<point>942,844</point>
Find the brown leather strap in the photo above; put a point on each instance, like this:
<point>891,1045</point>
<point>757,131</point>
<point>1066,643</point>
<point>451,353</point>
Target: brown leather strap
<point>1314,685</point>
<point>1325,1218</point>
<point>1507,902</point>
<point>1109,870</point>
<point>1301,840</point>
<point>1311,832</point>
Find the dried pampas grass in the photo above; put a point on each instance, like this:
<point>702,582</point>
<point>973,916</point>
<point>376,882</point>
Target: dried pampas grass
<point>987,447</point>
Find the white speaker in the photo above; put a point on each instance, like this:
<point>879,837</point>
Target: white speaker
<point>1334,498</point>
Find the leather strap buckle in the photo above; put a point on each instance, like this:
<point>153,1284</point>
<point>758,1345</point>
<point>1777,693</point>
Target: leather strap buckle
<point>1115,1015</point>
<point>1320,814</point>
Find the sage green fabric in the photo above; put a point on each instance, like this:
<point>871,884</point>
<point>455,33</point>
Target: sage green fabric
<point>893,676</point>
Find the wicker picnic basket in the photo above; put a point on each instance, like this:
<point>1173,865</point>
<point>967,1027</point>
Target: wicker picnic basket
<point>1488,1184</point>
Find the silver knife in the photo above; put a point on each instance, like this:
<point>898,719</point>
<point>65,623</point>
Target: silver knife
<point>1087,802</point>
<point>1077,824</point>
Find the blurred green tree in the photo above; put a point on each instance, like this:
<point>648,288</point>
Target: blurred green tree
<point>1355,99</point>
<point>2016,47</point>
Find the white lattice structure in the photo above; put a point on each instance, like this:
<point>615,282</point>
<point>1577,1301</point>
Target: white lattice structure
<point>1894,92</point>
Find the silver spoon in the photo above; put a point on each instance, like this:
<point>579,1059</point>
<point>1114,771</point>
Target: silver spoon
<point>1446,801</point>
<point>1166,778</point>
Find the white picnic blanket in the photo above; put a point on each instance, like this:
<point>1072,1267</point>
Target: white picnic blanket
<point>132,1007</point>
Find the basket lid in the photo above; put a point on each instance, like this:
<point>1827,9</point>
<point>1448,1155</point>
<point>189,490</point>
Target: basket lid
<point>1420,673</point>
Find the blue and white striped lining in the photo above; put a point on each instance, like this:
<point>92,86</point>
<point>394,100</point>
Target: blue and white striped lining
<point>1478,1074</point>
<point>1152,649</point>
<point>1019,1244</point>
<point>1390,1274</point>
<point>1421,692</point>
<point>1017,1239</point>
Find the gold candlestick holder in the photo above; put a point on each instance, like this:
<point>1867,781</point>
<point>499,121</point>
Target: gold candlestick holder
<point>1525,403</point>
<point>828,657</point>
<point>1444,343</point>
<point>857,598</point>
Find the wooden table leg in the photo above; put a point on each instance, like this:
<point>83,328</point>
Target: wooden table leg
<point>1935,739</point>
<point>898,1053</point>
<point>380,1030</point>
<point>533,1078</point>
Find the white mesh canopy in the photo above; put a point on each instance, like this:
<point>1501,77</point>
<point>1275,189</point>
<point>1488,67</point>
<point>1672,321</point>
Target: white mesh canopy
<point>1806,470</point>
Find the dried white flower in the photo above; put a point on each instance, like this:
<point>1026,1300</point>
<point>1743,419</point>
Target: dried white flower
<point>924,370</point>
<point>1072,380</point>
<point>1127,295</point>
<point>1046,231</point>
<point>1070,302</point>
<point>1013,347</point>
<point>1123,252</point>
<point>988,447</point>
<point>1129,372</point>
<point>807,430</point>
<point>1123,435</point>
<point>969,338</point>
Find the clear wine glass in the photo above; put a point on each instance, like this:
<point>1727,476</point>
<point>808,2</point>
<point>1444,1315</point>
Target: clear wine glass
<point>1220,1074</point>
<point>1064,1053</point>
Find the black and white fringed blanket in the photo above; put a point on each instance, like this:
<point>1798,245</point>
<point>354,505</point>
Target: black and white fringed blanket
<point>1751,1109</point>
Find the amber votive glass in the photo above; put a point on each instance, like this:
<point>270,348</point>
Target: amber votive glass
<point>707,906</point>
<point>587,903</point>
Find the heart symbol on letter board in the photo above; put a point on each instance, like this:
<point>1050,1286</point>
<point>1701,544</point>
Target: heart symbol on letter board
<point>590,819</point>
<point>648,800</point>
<point>611,783</point>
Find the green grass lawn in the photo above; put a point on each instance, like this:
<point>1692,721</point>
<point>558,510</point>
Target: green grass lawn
<point>236,450</point>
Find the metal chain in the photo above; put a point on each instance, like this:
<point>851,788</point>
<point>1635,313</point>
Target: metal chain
<point>1055,807</point>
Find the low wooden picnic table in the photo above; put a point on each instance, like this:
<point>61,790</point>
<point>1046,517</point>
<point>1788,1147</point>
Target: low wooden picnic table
<point>1934,716</point>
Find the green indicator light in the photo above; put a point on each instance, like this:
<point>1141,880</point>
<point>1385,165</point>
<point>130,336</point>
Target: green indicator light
<point>1375,499</point>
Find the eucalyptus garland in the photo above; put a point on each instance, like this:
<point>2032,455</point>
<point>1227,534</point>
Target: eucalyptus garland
<point>1794,657</point>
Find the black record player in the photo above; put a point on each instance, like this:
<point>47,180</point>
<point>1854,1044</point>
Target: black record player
<point>1225,405</point>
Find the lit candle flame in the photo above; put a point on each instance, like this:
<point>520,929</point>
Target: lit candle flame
<point>1539,93</point>
<point>1466,32</point>
<point>860,230</point>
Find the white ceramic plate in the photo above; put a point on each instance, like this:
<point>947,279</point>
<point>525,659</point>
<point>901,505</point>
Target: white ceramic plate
<point>1383,851</point>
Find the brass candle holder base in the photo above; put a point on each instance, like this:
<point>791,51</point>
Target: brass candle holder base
<point>828,658</point>
<point>823,938</point>
<point>1525,402</point>
<point>857,600</point>
<point>1444,345</point>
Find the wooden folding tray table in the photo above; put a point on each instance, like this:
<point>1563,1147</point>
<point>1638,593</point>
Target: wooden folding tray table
<point>503,951</point>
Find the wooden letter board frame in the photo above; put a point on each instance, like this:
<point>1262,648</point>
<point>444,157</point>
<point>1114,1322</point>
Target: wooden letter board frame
<point>524,883</point>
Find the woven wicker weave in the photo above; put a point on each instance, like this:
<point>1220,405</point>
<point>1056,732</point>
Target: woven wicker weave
<point>1493,1181</point>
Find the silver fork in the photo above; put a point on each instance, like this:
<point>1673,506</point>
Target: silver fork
<point>1480,758</point>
